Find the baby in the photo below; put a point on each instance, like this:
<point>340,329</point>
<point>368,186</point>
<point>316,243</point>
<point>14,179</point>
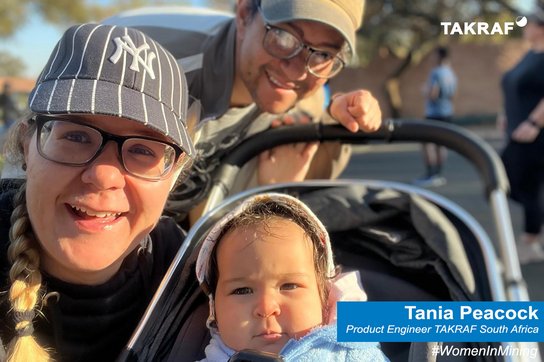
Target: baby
<point>268,270</point>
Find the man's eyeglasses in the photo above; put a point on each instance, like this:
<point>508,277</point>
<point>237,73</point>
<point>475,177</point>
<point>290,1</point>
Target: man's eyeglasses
<point>282,44</point>
<point>75,144</point>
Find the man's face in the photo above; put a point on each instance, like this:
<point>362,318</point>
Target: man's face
<point>274,84</point>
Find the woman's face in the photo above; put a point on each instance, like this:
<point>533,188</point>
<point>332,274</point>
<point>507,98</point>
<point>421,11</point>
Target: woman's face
<point>87,219</point>
<point>533,32</point>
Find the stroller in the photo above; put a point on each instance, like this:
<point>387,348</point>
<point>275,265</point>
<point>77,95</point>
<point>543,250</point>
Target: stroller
<point>409,244</point>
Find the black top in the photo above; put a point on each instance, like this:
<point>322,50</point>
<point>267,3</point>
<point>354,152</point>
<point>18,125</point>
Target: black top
<point>523,88</point>
<point>93,323</point>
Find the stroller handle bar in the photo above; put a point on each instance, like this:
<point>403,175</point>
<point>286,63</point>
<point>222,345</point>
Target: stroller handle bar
<point>469,145</point>
<point>478,152</point>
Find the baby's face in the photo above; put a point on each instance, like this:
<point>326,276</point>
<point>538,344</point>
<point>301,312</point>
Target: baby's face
<point>267,290</point>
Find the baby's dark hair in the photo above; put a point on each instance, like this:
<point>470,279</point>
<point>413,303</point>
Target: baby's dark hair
<point>262,211</point>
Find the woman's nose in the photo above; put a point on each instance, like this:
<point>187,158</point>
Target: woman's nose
<point>106,171</point>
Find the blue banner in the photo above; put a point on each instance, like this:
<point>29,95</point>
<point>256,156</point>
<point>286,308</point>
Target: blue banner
<point>440,321</point>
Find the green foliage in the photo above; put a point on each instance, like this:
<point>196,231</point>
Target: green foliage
<point>409,30</point>
<point>412,28</point>
<point>66,11</point>
<point>10,65</point>
<point>14,14</point>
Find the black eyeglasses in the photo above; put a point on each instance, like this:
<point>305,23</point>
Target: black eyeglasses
<point>282,44</point>
<point>76,144</point>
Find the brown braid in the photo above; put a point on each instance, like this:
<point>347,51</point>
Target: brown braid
<point>26,281</point>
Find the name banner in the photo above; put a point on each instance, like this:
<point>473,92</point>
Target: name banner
<point>440,321</point>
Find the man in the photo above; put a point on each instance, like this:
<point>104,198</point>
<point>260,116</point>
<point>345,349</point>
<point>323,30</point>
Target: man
<point>439,92</point>
<point>266,66</point>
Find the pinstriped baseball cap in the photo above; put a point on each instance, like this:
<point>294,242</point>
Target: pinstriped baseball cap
<point>119,71</point>
<point>343,15</point>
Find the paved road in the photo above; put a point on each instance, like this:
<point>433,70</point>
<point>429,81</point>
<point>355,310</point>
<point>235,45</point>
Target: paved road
<point>403,163</point>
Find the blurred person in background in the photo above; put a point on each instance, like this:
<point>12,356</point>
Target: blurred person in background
<point>8,108</point>
<point>439,91</point>
<point>522,121</point>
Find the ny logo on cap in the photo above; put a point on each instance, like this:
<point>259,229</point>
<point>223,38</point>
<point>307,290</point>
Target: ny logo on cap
<point>127,45</point>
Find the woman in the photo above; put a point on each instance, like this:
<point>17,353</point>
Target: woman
<point>523,88</point>
<point>105,143</point>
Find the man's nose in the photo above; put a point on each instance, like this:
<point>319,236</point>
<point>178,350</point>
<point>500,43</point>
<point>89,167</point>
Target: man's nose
<point>295,68</point>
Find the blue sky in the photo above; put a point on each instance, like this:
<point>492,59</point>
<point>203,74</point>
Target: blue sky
<point>34,42</point>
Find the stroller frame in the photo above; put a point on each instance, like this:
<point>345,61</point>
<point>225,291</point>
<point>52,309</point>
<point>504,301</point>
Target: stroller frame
<point>510,286</point>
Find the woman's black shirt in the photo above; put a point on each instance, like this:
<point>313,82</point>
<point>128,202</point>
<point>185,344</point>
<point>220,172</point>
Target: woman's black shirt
<point>92,323</point>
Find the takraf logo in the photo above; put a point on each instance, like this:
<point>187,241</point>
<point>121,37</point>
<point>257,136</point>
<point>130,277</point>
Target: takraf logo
<point>127,45</point>
<point>481,28</point>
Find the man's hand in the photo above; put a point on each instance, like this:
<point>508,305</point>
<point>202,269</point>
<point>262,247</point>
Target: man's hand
<point>356,110</point>
<point>287,163</point>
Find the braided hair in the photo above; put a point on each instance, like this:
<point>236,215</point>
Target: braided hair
<point>26,279</point>
<point>24,256</point>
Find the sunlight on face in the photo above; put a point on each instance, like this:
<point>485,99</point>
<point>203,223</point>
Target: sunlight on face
<point>275,84</point>
<point>267,291</point>
<point>88,218</point>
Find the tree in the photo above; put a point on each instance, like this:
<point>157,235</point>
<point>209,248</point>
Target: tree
<point>10,65</point>
<point>410,29</point>
<point>15,13</point>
